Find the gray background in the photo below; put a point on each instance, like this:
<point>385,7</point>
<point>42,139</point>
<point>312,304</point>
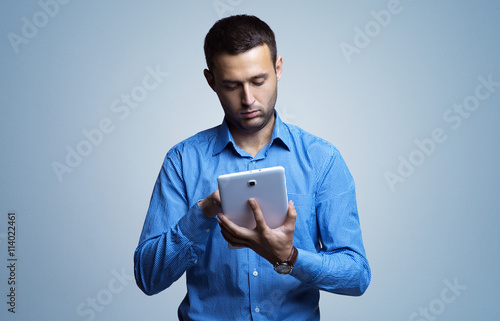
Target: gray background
<point>431,236</point>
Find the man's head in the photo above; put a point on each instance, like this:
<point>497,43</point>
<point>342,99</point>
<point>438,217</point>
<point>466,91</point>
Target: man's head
<point>237,34</point>
<point>244,70</point>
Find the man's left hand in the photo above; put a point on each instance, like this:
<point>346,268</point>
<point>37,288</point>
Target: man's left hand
<point>275,245</point>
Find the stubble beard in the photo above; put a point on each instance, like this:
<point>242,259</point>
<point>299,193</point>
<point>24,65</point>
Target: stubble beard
<point>266,117</point>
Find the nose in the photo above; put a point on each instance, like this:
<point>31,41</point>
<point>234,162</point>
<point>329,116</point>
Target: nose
<point>247,98</point>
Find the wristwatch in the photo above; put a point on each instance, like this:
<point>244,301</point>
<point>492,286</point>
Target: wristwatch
<point>286,266</point>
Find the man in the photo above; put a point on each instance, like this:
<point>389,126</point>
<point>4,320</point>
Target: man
<point>319,246</point>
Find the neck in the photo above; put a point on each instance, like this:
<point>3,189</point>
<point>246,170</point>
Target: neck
<point>253,142</point>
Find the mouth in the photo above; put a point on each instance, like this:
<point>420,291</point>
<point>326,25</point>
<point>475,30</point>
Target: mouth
<point>250,114</point>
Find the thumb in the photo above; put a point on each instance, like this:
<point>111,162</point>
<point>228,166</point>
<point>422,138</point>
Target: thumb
<point>259,217</point>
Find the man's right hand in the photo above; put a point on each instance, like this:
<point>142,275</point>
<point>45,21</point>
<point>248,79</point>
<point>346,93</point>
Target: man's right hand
<point>211,205</point>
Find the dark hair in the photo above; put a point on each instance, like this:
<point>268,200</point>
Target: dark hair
<point>238,34</point>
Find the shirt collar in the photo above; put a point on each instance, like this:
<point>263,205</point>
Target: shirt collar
<point>224,137</point>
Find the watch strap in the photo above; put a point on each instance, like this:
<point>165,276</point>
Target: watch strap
<point>286,266</point>
<point>293,256</point>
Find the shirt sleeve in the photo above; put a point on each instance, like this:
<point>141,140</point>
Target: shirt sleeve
<point>340,266</point>
<point>174,234</point>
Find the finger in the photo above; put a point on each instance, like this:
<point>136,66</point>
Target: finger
<point>291,215</point>
<point>217,196</point>
<point>232,240</point>
<point>232,228</point>
<point>259,217</point>
<point>225,222</point>
<point>229,234</point>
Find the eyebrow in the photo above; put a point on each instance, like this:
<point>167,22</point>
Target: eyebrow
<point>264,76</point>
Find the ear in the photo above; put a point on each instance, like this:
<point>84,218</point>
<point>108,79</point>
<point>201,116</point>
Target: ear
<point>279,67</point>
<point>209,76</point>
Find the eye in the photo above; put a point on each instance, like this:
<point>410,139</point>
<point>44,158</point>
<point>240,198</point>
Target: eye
<point>258,83</point>
<point>231,87</point>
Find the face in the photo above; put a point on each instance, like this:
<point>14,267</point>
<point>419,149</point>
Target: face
<point>246,85</point>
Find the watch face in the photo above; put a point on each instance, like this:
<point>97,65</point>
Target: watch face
<point>283,269</point>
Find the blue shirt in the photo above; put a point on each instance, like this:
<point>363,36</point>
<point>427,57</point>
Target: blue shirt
<point>225,284</point>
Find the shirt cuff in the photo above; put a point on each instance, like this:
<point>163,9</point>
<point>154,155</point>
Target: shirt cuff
<point>196,226</point>
<point>307,266</point>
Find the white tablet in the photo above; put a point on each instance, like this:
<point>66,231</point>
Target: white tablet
<point>266,185</point>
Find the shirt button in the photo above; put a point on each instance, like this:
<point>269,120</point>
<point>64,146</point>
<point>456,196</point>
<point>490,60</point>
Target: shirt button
<point>255,273</point>
<point>257,309</point>
<point>207,230</point>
